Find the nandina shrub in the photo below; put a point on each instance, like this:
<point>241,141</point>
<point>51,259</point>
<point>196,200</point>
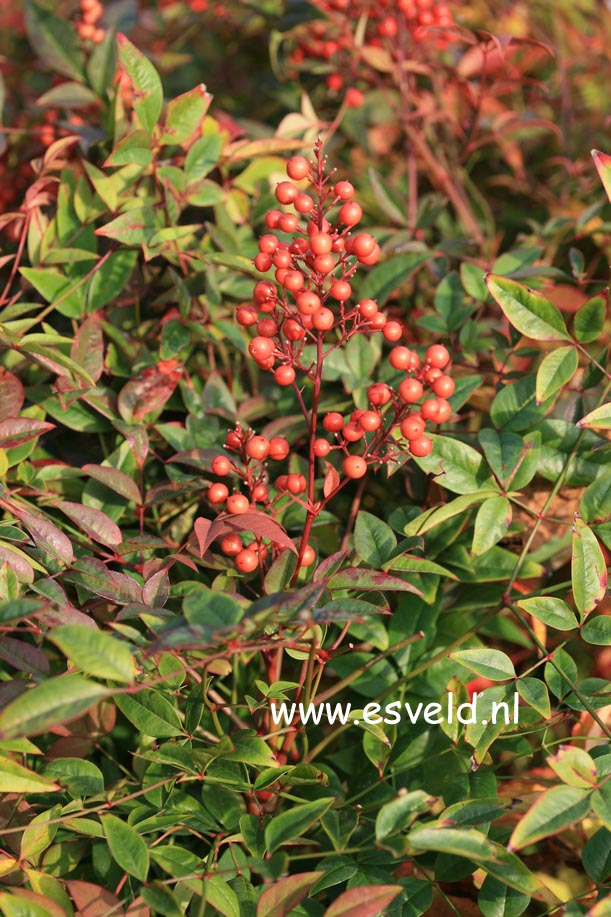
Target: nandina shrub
<point>147,398</point>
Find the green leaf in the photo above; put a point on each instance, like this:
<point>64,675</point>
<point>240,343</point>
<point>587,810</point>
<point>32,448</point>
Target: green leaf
<point>54,41</point>
<point>488,663</point>
<point>202,157</point>
<point>554,810</point>
<point>57,700</point>
<point>598,419</point>
<point>110,279</point>
<point>80,777</point>
<point>146,82</point>
<point>363,901</point>
<point>184,116</point>
<point>408,563</point>
<point>595,505</point>
<point>14,778</point>
<point>54,286</point>
<point>283,896</point>
<point>150,712</point>
<point>553,612</point>
<point>596,856</point>
<point>590,319</point>
<point>456,466</point>
<point>294,822</point>
<point>597,631</point>
<point>221,897</point>
<point>68,95</point>
<point>491,523</point>
<point>556,370</point>
<point>95,652</point>
<point>135,147</point>
<point>126,846</point>
<point>574,766</point>
<point>39,833</point>
<point>386,277</point>
<point>398,815</point>
<point>161,900</point>
<point>373,539</point>
<point>535,693</point>
<point>588,568</point>
<point>133,228</point>
<point>498,900</point>
<point>515,406</point>
<point>601,804</point>
<point>528,311</point>
<point>440,514</point>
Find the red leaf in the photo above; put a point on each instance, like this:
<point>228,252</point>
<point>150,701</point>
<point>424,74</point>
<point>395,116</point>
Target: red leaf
<point>92,900</point>
<point>283,896</point>
<point>94,522</point>
<point>115,480</point>
<point>332,479</point>
<point>360,578</point>
<point>255,522</point>
<point>149,391</point>
<point>46,536</point>
<point>19,430</point>
<point>88,346</point>
<point>12,395</point>
<point>364,901</point>
<point>116,587</point>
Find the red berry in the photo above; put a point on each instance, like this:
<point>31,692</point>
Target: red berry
<point>278,448</point>
<point>281,481</point>
<point>218,493</point>
<point>268,244</point>
<point>263,262</point>
<point>237,504</point>
<point>324,264</point>
<point>379,394</point>
<point>231,544</point>
<point>344,190</point>
<point>373,257</point>
<point>400,358</point>
<point>260,493</point>
<point>272,219</point>
<point>444,386</point>
<point>354,98</point>
<point>444,410</point>
<point>263,291</point>
<point>247,561</point>
<point>298,168</point>
<point>292,330</point>
<point>296,483</point>
<point>378,321</point>
<point>246,316</point>
<point>393,331</point>
<point>354,466</point>
<point>221,465</point>
<point>288,222</point>
<point>333,422</point>
<point>437,356</point>
<point>350,214</point>
<point>293,280</point>
<point>352,431</point>
<point>282,258</point>
<point>323,320</point>
<point>233,439</point>
<point>410,390</point>
<point>284,375</point>
<point>257,447</point>
<point>413,426</point>
<point>308,303</point>
<point>286,192</point>
<point>341,290</point>
<point>370,421</point>
<point>368,308</point>
<point>261,348</point>
<point>267,328</point>
<point>322,447</point>
<point>303,203</point>
<point>362,245</point>
<point>309,556</point>
<point>320,243</point>
<point>421,446</point>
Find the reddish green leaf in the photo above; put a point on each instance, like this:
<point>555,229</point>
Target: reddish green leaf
<point>363,901</point>
<point>184,117</point>
<point>258,523</point>
<point>554,810</point>
<point>362,579</point>
<point>19,430</point>
<point>149,391</point>
<point>12,394</point>
<point>15,778</point>
<point>602,161</point>
<point>115,480</point>
<point>588,568</point>
<point>145,80</point>
<point>279,899</point>
<point>94,522</point>
<point>57,700</point>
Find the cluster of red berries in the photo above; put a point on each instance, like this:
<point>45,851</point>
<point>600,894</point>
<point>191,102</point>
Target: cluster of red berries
<point>390,25</point>
<point>301,317</point>
<point>248,467</point>
<point>87,25</point>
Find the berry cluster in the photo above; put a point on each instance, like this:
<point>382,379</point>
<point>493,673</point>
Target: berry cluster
<point>393,26</point>
<point>299,318</point>
<point>87,25</point>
